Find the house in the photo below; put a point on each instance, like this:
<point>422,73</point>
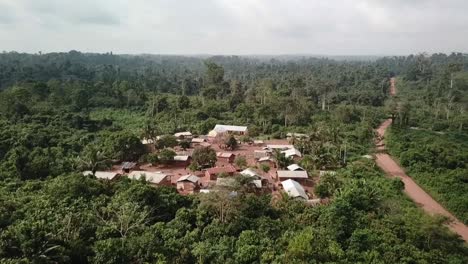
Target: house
<point>294,189</point>
<point>258,181</point>
<point>183,135</point>
<point>222,129</point>
<point>250,172</point>
<point>153,178</point>
<point>128,166</point>
<point>292,153</point>
<point>267,161</point>
<point>226,157</point>
<point>104,175</point>
<point>188,183</point>
<point>205,144</point>
<point>182,160</point>
<point>295,167</point>
<point>261,153</point>
<point>212,173</point>
<point>280,147</point>
<point>300,176</point>
<point>197,141</point>
<point>258,142</point>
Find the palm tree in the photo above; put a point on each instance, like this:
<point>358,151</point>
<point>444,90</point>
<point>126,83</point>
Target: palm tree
<point>281,160</point>
<point>92,158</point>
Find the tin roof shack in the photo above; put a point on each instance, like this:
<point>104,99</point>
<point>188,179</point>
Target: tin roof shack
<point>128,166</point>
<point>188,184</point>
<point>258,142</point>
<point>294,189</point>
<point>258,181</point>
<point>103,175</point>
<point>261,154</point>
<point>212,173</point>
<point>280,147</point>
<point>270,162</point>
<point>226,157</point>
<point>153,178</point>
<point>292,153</point>
<point>182,160</point>
<point>197,141</point>
<point>183,135</point>
<point>295,167</point>
<point>300,176</point>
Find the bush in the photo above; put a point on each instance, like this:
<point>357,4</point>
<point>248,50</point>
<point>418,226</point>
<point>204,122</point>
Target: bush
<point>265,168</point>
<point>240,162</point>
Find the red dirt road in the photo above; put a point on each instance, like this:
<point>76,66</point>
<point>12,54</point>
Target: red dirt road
<point>392,86</point>
<point>416,193</point>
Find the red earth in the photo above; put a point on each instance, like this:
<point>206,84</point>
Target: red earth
<point>416,193</point>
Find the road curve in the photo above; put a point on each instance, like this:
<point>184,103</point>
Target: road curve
<point>416,193</point>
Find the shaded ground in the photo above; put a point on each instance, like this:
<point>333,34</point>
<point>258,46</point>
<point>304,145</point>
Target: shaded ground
<point>416,193</point>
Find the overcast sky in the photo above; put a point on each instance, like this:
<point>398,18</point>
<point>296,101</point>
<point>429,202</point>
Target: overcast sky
<point>328,27</point>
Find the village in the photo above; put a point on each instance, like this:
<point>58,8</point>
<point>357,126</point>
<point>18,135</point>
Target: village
<point>256,160</point>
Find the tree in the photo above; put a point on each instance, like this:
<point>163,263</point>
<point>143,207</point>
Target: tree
<point>166,156</point>
<point>231,143</point>
<point>281,160</point>
<point>167,141</point>
<point>240,162</point>
<point>203,157</point>
<point>184,144</point>
<point>153,159</point>
<point>183,102</point>
<point>92,158</point>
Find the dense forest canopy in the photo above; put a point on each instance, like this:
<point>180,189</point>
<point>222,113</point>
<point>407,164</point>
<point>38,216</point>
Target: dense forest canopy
<point>62,113</point>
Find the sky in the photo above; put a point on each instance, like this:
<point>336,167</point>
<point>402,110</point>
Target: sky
<point>241,27</point>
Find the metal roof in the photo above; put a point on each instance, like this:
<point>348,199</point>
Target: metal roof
<point>295,167</point>
<point>183,134</point>
<point>228,128</point>
<point>294,189</point>
<point>292,152</point>
<point>152,177</point>
<point>181,157</point>
<point>292,174</point>
<point>189,177</point>
<point>107,175</point>
<point>250,172</point>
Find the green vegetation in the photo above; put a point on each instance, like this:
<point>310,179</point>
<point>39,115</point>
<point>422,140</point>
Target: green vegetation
<point>439,162</point>
<point>62,113</point>
<point>430,135</point>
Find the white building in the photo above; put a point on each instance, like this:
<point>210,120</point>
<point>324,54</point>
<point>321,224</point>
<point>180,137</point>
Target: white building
<point>294,189</point>
<point>105,175</point>
<point>220,129</point>
<point>295,167</point>
<point>157,178</point>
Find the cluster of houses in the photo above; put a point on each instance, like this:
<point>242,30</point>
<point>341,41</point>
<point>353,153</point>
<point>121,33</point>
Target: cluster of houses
<point>291,179</point>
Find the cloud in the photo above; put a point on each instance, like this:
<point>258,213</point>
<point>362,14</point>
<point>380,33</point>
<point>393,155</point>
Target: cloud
<point>235,27</point>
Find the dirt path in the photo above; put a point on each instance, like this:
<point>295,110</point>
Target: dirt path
<point>416,193</point>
